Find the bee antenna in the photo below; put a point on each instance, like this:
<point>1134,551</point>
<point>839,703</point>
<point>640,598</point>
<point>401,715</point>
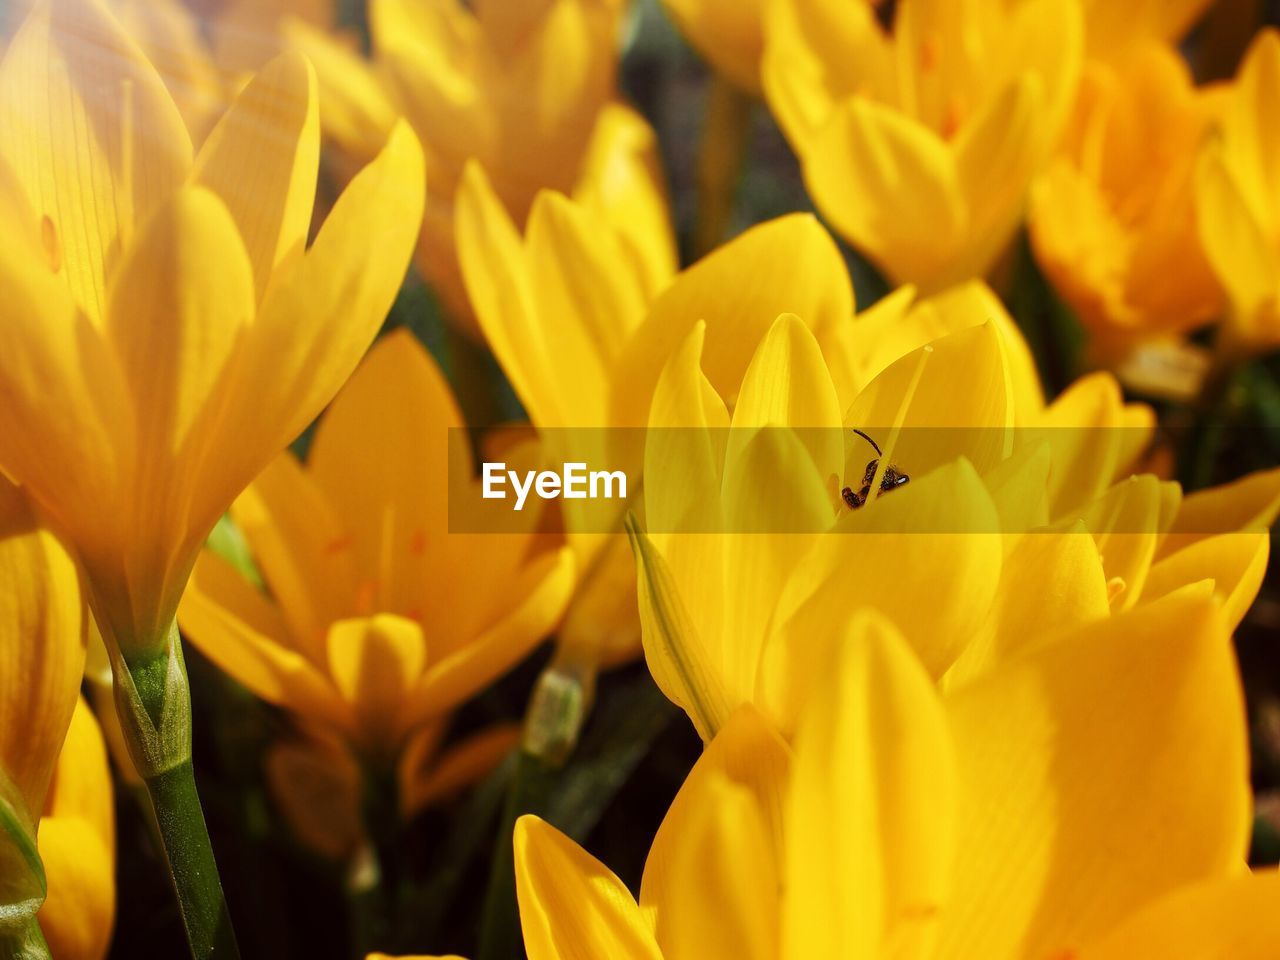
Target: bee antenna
<point>874,445</point>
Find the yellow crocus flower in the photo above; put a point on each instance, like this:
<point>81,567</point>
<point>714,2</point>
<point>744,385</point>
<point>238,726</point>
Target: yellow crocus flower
<point>1238,201</point>
<point>569,295</point>
<point>42,650</point>
<point>739,507</point>
<point>77,845</point>
<point>379,620</point>
<point>600,300</point>
<point>750,552</point>
<point>168,330</point>
<point>524,89</point>
<point>1113,220</point>
<point>919,144</point>
<point>1022,815</point>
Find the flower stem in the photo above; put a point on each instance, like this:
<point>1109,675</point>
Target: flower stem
<point>1218,404</point>
<point>24,943</point>
<point>553,721</point>
<point>191,865</point>
<point>720,157</point>
<point>153,702</point>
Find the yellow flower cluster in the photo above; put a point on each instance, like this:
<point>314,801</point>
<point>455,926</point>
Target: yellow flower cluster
<point>957,647</point>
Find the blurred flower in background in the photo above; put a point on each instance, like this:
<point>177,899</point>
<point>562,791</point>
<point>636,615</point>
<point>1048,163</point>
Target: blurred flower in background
<point>1113,218</point>
<point>919,142</point>
<point>520,88</point>
<point>1238,201</point>
<point>378,621</point>
<point>1113,31</point>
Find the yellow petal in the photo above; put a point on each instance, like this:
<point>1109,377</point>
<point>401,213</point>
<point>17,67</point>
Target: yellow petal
<point>729,33</point>
<point>1050,583</point>
<point>940,423</point>
<point>237,628</point>
<point>495,268</point>
<point>774,503</point>
<point>177,309</point>
<point>787,385</point>
<point>944,521</point>
<point>1235,562</point>
<point>1092,437</point>
<point>1126,523</point>
<point>1235,242</point>
<point>262,159</point>
<point>896,326</point>
<point>621,181</point>
<point>544,587</point>
<point>684,446</point>
<point>374,663</point>
<point>1019,488</point>
<point>889,186</point>
<point>323,309</point>
<point>77,845</point>
<point>169,33</point>
<point>571,905</point>
<point>815,52</point>
<point>587,306</point>
<point>1248,504</point>
<point>1069,819</point>
<point>302,550</point>
<point>458,767</point>
<point>996,155</point>
<point>788,265</point>
<point>870,821</point>
<point>357,112</point>
<point>42,647</point>
<point>1220,919</point>
<point>748,754</point>
<point>1251,132</point>
<point>90,131</point>
<point>66,424</point>
<point>724,868</point>
<point>396,411</point>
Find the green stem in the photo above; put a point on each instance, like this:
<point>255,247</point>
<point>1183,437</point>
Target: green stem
<point>153,701</point>
<point>1217,406</point>
<point>473,379</point>
<point>24,943</point>
<point>191,864</point>
<point>719,165</point>
<point>553,721</point>
<point>375,876</point>
<point>500,920</point>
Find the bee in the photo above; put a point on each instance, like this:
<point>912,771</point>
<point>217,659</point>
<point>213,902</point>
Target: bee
<point>892,479</point>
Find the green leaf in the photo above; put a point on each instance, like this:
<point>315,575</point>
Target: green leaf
<point>22,880</point>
